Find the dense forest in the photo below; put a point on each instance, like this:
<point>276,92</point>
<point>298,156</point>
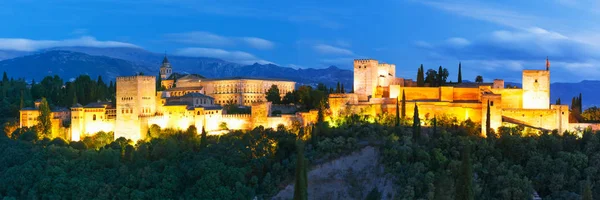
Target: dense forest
<point>17,93</point>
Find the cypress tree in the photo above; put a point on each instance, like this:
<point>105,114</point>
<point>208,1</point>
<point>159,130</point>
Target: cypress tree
<point>587,191</point>
<point>352,89</point>
<point>158,82</point>
<point>579,104</point>
<point>403,105</point>
<point>434,127</point>
<point>440,80</point>
<point>301,183</point>
<point>203,138</point>
<point>337,88</point>
<point>459,73</point>
<point>75,99</point>
<point>342,89</point>
<point>44,125</point>
<point>22,104</point>
<point>420,77</point>
<point>397,113</point>
<point>487,120</point>
<point>416,124</point>
<point>464,184</point>
<point>558,101</point>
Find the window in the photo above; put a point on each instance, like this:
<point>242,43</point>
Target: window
<point>94,117</point>
<point>491,103</point>
<point>536,80</point>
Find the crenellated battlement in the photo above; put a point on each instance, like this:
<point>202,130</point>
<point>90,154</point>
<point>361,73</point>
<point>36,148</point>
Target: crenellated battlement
<point>136,77</point>
<point>363,61</point>
<point>237,116</point>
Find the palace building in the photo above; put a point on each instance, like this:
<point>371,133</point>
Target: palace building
<point>193,100</point>
<point>377,90</point>
<point>188,100</point>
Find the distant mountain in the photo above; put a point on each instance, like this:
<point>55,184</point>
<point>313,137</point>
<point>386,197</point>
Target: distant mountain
<point>67,65</point>
<point>217,68</point>
<point>566,91</point>
<point>69,62</point>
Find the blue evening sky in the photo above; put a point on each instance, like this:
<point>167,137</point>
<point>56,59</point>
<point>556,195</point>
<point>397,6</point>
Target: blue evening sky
<point>496,39</point>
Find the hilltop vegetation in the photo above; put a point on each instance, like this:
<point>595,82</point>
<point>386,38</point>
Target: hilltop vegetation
<point>242,165</point>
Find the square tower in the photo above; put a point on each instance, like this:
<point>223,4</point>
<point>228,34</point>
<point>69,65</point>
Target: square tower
<point>386,74</point>
<point>366,73</point>
<point>536,89</point>
<point>136,100</point>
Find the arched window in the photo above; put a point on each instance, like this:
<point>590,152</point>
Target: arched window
<point>94,117</point>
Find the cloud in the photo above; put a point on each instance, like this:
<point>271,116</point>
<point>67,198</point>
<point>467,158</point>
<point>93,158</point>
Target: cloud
<point>342,62</point>
<point>328,49</point>
<point>423,44</point>
<point>258,43</point>
<point>215,40</point>
<point>200,38</point>
<point>232,56</point>
<point>484,13</point>
<point>22,44</point>
<point>458,42</point>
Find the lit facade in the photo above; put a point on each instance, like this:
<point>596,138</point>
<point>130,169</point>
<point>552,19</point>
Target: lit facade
<point>190,100</point>
<point>529,106</point>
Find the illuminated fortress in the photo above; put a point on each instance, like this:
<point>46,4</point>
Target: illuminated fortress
<point>377,90</point>
<point>194,100</point>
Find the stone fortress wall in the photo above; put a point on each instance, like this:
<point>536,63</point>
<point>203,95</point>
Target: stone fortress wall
<point>529,106</point>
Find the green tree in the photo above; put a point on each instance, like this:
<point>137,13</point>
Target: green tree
<point>431,77</point>
<point>337,88</point>
<point>587,191</point>
<point>442,76</point>
<point>580,104</point>
<point>397,113</point>
<point>459,73</point>
<point>44,120</point>
<point>420,77</point>
<point>558,101</point>
<point>342,90</point>
<point>479,79</point>
<point>22,103</point>
<point>416,124</point>
<point>488,121</point>
<point>203,138</point>
<point>159,86</point>
<point>591,114</point>
<point>464,184</point>
<point>301,183</point>
<point>374,194</point>
<point>435,132</point>
<point>443,186</point>
<point>403,105</point>
<point>273,95</point>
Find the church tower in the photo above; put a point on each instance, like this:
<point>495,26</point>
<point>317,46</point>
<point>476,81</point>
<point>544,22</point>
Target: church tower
<point>165,69</point>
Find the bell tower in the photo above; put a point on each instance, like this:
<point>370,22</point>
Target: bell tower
<point>165,69</point>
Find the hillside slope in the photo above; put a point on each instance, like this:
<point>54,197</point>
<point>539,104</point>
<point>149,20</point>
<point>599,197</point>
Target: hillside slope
<point>349,177</point>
